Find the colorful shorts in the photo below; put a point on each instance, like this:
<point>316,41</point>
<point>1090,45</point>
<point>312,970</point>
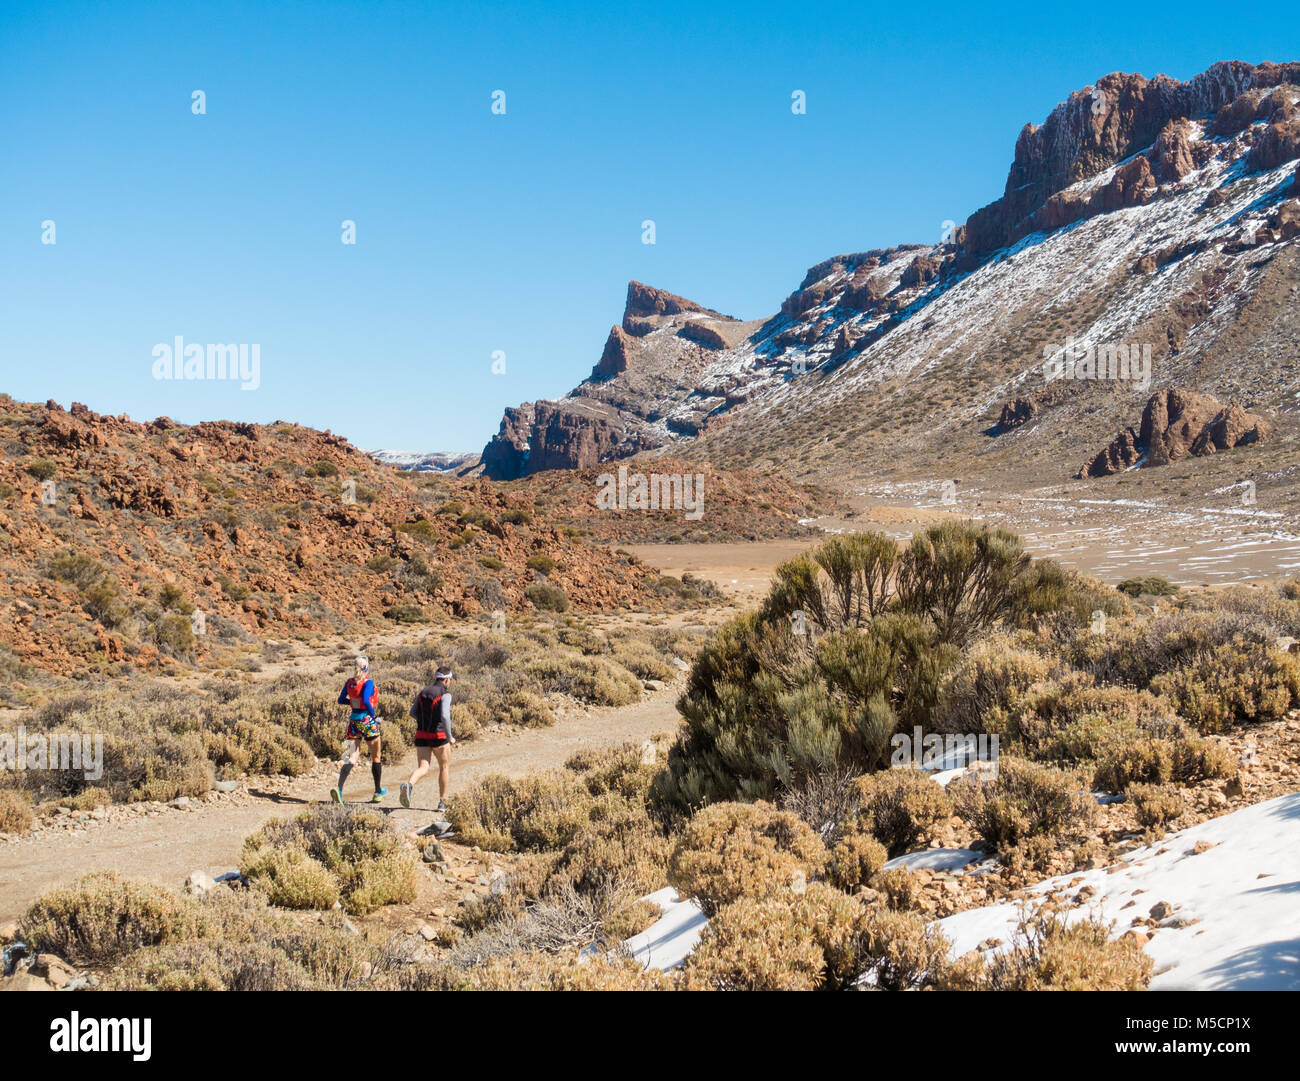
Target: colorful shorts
<point>363,727</point>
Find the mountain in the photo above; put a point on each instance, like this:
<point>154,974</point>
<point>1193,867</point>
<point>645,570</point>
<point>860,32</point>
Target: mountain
<point>457,463</point>
<point>1145,217</point>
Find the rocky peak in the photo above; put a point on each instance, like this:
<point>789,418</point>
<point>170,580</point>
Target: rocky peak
<point>1100,126</point>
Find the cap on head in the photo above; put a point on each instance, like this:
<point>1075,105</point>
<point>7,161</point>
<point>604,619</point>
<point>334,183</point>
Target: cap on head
<point>361,666</point>
<point>443,673</point>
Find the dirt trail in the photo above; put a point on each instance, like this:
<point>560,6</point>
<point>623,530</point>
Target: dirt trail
<point>166,848</point>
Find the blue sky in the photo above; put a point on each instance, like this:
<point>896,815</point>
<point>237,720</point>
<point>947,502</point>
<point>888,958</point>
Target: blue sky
<point>479,232</point>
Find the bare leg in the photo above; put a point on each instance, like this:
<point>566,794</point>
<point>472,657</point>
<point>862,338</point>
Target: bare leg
<point>443,754</point>
<point>422,755</point>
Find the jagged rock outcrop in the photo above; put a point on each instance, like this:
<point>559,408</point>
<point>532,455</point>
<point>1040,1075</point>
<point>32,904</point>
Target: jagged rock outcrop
<point>1177,423</point>
<point>1097,128</point>
<point>614,359</point>
<point>610,415</point>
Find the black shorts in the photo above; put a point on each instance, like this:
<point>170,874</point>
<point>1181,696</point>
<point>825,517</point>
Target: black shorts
<point>431,741</point>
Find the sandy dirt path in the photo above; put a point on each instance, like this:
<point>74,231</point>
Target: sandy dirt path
<point>166,848</point>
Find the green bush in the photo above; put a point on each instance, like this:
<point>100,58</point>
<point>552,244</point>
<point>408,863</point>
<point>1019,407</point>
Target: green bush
<point>547,597</point>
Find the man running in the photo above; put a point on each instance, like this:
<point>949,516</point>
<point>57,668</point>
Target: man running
<point>432,713</point>
<point>363,725</point>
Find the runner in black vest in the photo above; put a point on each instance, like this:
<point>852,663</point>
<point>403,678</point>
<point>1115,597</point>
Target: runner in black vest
<point>432,712</point>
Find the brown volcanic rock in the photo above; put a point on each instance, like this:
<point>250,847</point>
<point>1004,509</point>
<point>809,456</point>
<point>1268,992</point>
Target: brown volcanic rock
<point>1231,427</point>
<point>1177,423</point>
<point>1279,142</point>
<point>573,433</point>
<point>920,270</point>
<point>614,359</point>
<point>1119,454</point>
<point>1172,154</point>
<point>643,300</point>
<point>703,334</point>
<point>1171,423</point>
<point>506,454</point>
<point>1093,130</point>
<point>1016,413</point>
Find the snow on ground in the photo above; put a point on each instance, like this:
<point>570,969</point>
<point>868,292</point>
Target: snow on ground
<point>1240,900</point>
<point>665,944</point>
<point>1235,923</point>
<point>936,859</point>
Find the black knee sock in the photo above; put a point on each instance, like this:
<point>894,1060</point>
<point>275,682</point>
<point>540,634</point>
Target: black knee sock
<point>376,771</point>
<point>343,774</point>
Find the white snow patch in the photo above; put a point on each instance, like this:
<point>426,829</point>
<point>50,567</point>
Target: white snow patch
<point>1243,894</point>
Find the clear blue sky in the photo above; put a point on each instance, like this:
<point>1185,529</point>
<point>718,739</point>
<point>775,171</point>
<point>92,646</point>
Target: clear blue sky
<point>478,232</point>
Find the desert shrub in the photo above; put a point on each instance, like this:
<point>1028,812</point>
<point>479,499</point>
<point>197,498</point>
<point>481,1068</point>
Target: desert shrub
<point>829,802</point>
<point>42,468</point>
<point>618,847</point>
<point>856,859</point>
<point>406,613</point>
<point>596,680</point>
<point>102,917</point>
<point>174,635</point>
<point>421,528</point>
<point>381,563</point>
<point>540,562</point>
<point>900,888</point>
<point>248,746</point>
<point>1178,759</point>
<point>641,659</point>
<point>756,944</point>
<point>370,865</point>
<point>733,850</point>
<point>520,707</point>
<point>541,810</point>
<point>1049,954</point>
<point>963,577</point>
<point>537,971</point>
<point>901,952</point>
<point>15,812</point>
<point>1135,654</point>
<point>1237,682</point>
<point>291,878</point>
<point>1156,805</point>
<point>1149,586</point>
<point>984,691</point>
<point>766,708</point>
<point>547,597</point>
<point>1024,800</point>
<point>901,805</point>
<point>322,468</point>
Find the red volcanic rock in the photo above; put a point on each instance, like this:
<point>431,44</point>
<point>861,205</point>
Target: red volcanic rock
<point>1097,128</point>
<point>614,359</point>
<point>1132,185</point>
<point>1231,427</point>
<point>920,270</point>
<point>1279,142</point>
<point>644,299</point>
<point>1120,454</point>
<point>703,334</point>
<point>1172,156</point>
<point>1175,424</point>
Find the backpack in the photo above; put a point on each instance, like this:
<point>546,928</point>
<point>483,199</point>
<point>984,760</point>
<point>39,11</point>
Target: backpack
<point>354,690</point>
<point>428,709</point>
